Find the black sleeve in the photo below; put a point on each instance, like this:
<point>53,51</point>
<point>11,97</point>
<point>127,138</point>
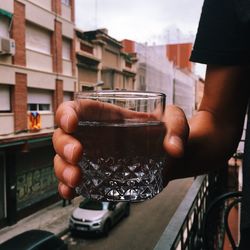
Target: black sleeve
<point>222,37</point>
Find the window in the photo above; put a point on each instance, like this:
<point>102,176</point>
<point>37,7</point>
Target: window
<point>87,88</point>
<point>39,100</point>
<point>38,107</point>
<point>142,80</point>
<point>67,96</point>
<point>86,48</point>
<point>5,105</point>
<point>4,26</point>
<point>66,49</point>
<point>66,2</point>
<point>38,38</point>
<point>128,64</point>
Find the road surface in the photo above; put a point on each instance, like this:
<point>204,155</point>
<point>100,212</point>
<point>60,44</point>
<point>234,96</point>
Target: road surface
<point>144,226</point>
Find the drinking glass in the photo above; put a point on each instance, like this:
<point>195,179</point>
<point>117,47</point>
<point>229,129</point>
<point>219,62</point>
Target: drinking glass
<point>122,136</point>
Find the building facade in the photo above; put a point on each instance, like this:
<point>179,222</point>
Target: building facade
<point>184,87</point>
<point>166,69</point>
<point>155,71</point>
<point>37,73</point>
<point>43,61</point>
<point>184,80</point>
<point>102,63</point>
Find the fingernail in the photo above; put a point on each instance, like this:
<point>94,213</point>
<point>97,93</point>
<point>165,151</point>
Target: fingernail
<point>177,142</point>
<point>67,176</point>
<point>68,151</point>
<point>63,191</point>
<point>65,121</point>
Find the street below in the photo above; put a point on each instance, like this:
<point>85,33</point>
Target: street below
<point>144,226</point>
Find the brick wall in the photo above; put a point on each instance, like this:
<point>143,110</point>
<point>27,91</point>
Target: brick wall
<point>186,49</point>
<point>179,54</point>
<point>128,46</point>
<point>56,6</point>
<point>72,4</point>
<point>18,33</point>
<point>56,47</point>
<point>19,102</point>
<point>58,94</point>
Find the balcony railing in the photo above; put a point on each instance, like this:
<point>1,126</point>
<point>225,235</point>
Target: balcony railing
<point>205,202</point>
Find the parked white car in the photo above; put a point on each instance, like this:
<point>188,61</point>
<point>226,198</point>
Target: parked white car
<point>97,216</point>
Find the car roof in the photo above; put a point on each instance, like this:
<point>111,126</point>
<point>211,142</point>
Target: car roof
<point>32,239</point>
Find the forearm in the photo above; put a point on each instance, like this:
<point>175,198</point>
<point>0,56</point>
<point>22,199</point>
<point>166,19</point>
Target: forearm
<point>208,148</point>
<point>216,128</point>
<point>211,146</point>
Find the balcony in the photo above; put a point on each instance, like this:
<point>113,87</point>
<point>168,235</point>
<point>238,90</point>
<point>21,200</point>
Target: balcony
<point>208,200</point>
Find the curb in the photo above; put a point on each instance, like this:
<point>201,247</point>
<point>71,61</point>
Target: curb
<point>60,234</point>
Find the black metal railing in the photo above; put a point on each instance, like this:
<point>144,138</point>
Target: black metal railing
<point>186,229</point>
<point>224,203</point>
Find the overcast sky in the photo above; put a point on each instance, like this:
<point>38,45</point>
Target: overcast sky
<point>139,20</point>
<point>158,21</point>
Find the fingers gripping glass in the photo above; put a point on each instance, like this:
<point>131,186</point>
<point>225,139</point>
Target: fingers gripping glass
<point>122,136</point>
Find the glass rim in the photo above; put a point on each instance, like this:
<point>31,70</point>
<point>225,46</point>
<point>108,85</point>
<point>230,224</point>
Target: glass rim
<point>118,94</point>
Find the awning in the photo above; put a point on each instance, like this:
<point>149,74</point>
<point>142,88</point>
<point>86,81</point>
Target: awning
<point>22,141</point>
<point>5,13</point>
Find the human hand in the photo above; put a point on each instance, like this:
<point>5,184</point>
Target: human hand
<point>69,150</point>
<point>177,131</point>
<point>175,141</point>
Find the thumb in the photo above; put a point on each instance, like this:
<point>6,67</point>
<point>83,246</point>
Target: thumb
<point>177,131</point>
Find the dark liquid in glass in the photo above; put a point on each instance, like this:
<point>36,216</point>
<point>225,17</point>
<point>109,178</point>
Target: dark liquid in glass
<point>121,161</point>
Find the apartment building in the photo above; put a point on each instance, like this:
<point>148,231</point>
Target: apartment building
<point>184,80</point>
<point>102,63</point>
<point>155,71</point>
<point>166,69</point>
<point>37,73</point>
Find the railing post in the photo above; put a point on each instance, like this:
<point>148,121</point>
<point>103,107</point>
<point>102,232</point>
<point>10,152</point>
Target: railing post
<point>184,230</point>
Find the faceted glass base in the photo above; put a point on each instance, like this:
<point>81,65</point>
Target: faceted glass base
<point>123,179</point>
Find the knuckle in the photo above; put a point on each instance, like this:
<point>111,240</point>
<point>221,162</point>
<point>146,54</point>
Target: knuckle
<point>56,135</point>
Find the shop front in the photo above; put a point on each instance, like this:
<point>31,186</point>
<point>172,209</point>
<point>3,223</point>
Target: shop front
<point>2,189</point>
<point>27,180</point>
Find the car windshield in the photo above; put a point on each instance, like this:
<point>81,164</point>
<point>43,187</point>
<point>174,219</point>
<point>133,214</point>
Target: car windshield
<point>93,205</point>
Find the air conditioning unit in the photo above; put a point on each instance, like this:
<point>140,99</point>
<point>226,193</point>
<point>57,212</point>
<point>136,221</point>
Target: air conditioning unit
<point>7,46</point>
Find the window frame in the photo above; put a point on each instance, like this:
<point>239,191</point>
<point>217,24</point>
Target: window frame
<point>37,105</point>
<point>8,88</point>
<point>66,2</point>
<point>37,109</point>
<point>5,31</point>
<point>45,35</point>
<point>39,97</point>
<point>66,49</point>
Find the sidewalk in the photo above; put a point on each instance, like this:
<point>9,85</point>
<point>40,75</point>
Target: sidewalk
<point>54,218</point>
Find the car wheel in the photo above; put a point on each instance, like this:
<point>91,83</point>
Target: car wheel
<point>106,228</point>
<point>72,232</point>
